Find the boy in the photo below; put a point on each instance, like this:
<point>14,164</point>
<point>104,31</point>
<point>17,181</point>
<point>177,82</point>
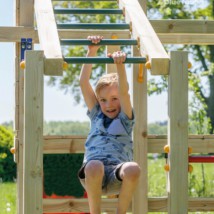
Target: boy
<point>107,166</point>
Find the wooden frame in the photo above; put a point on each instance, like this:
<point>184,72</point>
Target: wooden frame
<point>30,137</point>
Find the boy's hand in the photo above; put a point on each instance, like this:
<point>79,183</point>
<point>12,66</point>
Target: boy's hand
<point>95,40</point>
<point>119,57</point>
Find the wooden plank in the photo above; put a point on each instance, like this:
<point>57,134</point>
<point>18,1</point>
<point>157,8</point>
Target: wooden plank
<point>75,144</point>
<point>154,204</point>
<point>188,39</point>
<point>33,132</point>
<point>201,204</point>
<point>183,26</point>
<point>142,30</point>
<point>178,133</point>
<point>14,34</point>
<point>76,205</point>
<point>48,37</point>
<point>140,201</point>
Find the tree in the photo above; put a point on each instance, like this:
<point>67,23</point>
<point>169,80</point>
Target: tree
<point>201,76</point>
<point>7,165</point>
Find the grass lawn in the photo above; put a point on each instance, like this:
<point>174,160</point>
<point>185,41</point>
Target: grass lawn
<point>200,184</point>
<point>7,198</point>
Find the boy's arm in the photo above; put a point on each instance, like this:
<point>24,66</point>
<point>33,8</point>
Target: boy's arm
<point>86,88</point>
<point>125,101</point>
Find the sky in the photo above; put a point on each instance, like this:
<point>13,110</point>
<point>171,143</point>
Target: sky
<point>57,105</point>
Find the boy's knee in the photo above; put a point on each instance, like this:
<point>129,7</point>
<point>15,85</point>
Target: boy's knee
<point>94,168</point>
<point>131,171</point>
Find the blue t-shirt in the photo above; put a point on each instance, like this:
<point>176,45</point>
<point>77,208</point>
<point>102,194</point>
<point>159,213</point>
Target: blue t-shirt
<point>112,142</point>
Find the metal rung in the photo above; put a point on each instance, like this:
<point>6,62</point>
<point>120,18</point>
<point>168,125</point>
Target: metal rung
<point>102,60</point>
<point>102,42</point>
<point>94,26</point>
<point>88,11</point>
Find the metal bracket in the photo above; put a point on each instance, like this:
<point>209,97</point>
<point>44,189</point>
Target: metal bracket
<point>26,44</point>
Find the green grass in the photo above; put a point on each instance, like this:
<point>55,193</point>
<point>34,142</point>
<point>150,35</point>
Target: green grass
<point>8,198</point>
<point>200,184</point>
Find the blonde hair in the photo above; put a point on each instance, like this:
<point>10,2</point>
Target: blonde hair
<point>106,80</point>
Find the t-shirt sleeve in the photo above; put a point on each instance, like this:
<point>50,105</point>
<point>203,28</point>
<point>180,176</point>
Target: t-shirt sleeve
<point>94,111</point>
<point>127,123</point>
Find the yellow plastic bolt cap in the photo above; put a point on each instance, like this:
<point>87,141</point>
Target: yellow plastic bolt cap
<point>22,64</point>
<point>189,150</point>
<point>148,65</point>
<point>65,65</point>
<point>13,150</point>
<point>190,168</point>
<point>166,167</point>
<point>114,36</point>
<point>189,65</point>
<point>166,149</point>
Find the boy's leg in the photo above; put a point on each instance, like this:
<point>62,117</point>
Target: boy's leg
<point>129,174</point>
<point>94,172</point>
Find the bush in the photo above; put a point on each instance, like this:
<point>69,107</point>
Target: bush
<point>7,164</point>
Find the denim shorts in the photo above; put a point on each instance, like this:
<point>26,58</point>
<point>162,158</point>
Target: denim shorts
<point>111,182</point>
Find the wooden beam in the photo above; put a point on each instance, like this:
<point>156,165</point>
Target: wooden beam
<point>178,133</point>
<point>142,30</point>
<point>48,37</point>
<point>33,132</point>
<point>154,205</point>
<point>183,26</point>
<point>156,143</point>
<point>14,34</point>
<point>140,146</point>
<point>187,39</point>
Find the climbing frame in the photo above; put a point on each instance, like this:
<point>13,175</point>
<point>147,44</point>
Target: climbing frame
<point>29,137</point>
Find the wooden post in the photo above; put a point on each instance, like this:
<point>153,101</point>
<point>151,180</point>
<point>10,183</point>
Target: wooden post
<point>178,134</point>
<point>24,15</point>
<point>33,132</point>
<point>140,201</point>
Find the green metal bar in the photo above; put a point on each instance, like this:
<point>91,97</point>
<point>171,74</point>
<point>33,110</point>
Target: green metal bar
<point>88,11</point>
<point>94,26</point>
<point>102,42</point>
<point>102,60</point>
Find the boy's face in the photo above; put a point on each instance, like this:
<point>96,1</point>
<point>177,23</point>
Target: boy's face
<point>108,99</point>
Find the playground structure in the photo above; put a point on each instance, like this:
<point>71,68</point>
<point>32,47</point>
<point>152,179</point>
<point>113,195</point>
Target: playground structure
<point>30,144</point>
